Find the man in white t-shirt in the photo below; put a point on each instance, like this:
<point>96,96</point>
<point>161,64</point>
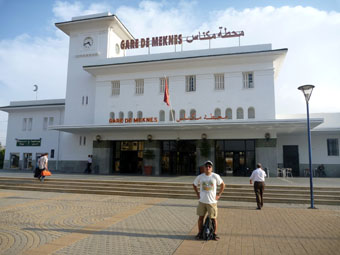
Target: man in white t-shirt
<point>257,177</point>
<point>207,196</point>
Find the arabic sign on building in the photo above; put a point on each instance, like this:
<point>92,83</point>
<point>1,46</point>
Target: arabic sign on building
<point>177,39</point>
<point>155,119</point>
<point>26,142</point>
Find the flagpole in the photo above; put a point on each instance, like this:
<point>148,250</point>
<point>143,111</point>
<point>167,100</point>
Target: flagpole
<point>171,110</point>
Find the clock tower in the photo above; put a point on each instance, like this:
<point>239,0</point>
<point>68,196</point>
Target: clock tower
<point>93,38</point>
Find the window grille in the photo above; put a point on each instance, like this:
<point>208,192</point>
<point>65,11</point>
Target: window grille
<point>193,113</point>
<point>190,83</point>
<point>45,123</point>
<point>172,115</point>
<point>251,113</point>
<point>333,147</point>
<point>248,80</point>
<point>139,114</point>
<point>239,113</point>
<point>161,115</point>
<point>162,84</point>
<point>219,81</point>
<point>130,115</point>
<point>140,87</point>
<point>217,112</point>
<point>112,115</point>
<point>50,121</point>
<point>229,113</point>
<point>182,114</point>
<point>115,88</point>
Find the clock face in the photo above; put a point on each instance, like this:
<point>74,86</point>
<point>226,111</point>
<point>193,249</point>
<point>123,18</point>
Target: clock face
<point>117,48</point>
<point>88,42</point>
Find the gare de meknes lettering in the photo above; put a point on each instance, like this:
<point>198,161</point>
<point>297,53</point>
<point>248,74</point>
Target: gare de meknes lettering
<point>155,41</point>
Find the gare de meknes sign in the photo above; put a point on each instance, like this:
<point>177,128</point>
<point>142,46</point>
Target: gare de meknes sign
<point>176,39</point>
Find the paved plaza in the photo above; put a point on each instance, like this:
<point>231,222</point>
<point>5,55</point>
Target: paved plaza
<point>60,223</point>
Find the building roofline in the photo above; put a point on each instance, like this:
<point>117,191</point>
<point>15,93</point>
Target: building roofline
<point>112,16</point>
<point>181,58</point>
<point>10,107</point>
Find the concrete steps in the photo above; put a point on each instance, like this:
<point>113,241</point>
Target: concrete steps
<point>245,193</point>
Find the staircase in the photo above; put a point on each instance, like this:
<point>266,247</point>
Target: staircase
<point>241,193</point>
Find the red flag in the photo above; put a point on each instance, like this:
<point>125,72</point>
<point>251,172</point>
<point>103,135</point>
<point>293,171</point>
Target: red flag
<point>166,93</point>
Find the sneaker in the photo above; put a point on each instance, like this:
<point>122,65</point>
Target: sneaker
<point>258,208</point>
<point>215,237</point>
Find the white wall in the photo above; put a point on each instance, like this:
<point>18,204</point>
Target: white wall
<point>49,138</point>
<point>205,99</point>
<point>319,147</point>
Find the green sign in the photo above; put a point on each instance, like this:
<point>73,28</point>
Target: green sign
<point>36,142</point>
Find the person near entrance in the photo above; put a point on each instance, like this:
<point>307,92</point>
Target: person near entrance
<point>43,166</point>
<point>257,177</point>
<point>89,164</point>
<point>207,196</point>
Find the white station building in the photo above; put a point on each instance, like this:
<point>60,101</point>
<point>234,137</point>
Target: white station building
<point>222,108</point>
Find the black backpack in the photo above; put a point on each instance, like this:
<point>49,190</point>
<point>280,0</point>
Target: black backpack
<point>208,229</point>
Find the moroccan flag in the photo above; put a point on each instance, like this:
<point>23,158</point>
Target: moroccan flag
<point>166,93</point>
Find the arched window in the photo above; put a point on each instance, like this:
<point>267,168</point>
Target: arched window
<point>130,115</point>
<point>161,115</point>
<point>229,113</point>
<point>139,114</point>
<point>112,115</point>
<point>217,112</point>
<point>193,113</point>
<point>251,113</point>
<point>239,113</point>
<point>121,115</point>
<point>172,115</point>
<point>182,114</point>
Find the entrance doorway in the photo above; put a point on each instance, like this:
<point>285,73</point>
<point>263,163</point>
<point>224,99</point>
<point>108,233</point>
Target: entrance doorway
<point>128,157</point>
<point>234,157</point>
<point>178,157</point>
<point>28,161</point>
<point>291,158</point>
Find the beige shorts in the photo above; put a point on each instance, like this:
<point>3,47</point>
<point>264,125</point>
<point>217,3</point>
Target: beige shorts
<point>202,209</point>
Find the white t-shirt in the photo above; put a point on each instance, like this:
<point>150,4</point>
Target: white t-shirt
<point>43,162</point>
<point>258,175</point>
<point>208,187</point>
<point>89,160</point>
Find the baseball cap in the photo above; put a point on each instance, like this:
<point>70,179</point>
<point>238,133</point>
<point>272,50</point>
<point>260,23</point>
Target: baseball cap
<point>208,162</point>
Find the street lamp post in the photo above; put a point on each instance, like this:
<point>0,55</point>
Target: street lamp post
<point>307,92</point>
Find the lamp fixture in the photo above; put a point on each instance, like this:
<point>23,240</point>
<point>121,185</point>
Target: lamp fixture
<point>149,137</point>
<point>204,136</point>
<point>98,138</point>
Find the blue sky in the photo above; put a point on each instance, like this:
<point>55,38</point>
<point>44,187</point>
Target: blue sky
<point>34,51</point>
<point>36,16</point>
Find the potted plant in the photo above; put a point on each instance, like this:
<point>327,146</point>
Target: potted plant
<point>148,155</point>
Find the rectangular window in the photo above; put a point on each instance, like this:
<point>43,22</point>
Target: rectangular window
<point>162,84</point>
<point>115,88</point>
<point>87,100</point>
<point>83,100</point>
<point>139,87</point>
<point>45,123</point>
<point>333,147</point>
<point>29,124</point>
<point>50,121</point>
<point>80,140</point>
<point>24,124</point>
<point>52,153</point>
<point>84,142</point>
<point>219,81</point>
<point>190,83</point>
<point>248,80</point>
